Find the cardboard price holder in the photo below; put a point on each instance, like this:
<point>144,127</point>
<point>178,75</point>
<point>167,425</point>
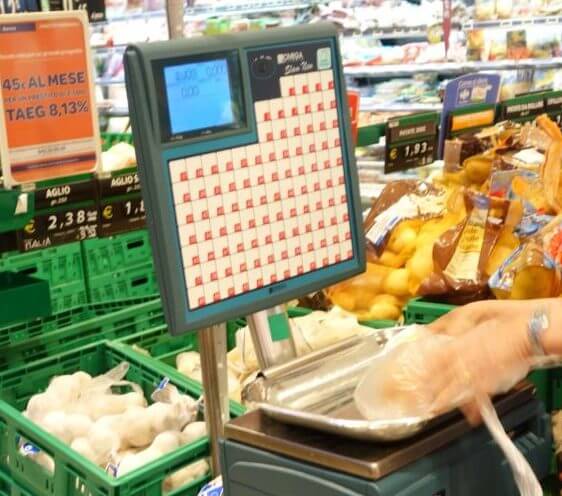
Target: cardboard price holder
<point>411,142</point>
<point>48,124</point>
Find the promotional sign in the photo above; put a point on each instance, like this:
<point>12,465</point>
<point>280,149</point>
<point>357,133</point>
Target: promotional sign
<point>467,90</point>
<point>48,124</point>
<point>410,142</point>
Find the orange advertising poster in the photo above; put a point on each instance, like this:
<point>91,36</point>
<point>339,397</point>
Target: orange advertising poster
<point>49,122</point>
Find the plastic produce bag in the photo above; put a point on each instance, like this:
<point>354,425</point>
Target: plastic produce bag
<point>401,398</point>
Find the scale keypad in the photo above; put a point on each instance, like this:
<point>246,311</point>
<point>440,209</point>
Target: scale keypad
<point>264,213</point>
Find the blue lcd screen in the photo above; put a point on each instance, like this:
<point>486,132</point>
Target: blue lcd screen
<point>199,96</point>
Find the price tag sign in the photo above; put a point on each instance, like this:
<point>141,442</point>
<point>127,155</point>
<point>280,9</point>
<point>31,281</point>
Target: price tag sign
<point>411,142</point>
<point>59,227</point>
<point>48,119</point>
<point>523,109</point>
<point>122,215</point>
<point>471,118</point>
<point>553,101</point>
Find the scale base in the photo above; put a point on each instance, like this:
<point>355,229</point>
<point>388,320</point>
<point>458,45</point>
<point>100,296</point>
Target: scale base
<point>264,458</point>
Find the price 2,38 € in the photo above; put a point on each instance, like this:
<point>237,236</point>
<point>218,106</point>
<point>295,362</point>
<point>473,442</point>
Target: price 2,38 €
<point>42,111</point>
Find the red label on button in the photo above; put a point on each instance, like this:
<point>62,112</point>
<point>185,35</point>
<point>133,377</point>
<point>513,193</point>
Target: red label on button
<point>333,104</point>
<point>299,151</point>
<point>304,190</point>
<point>235,207</point>
<point>314,167</point>
<point>288,174</point>
<point>331,202</point>
<point>195,260</point>
<point>225,252</point>
<point>284,134</point>
<point>310,129</point>
<point>273,279</point>
<point>201,301</point>
<point>324,145</point>
<point>286,154</point>
<point>223,232</point>
<point>210,256</point>
<point>331,85</point>
<point>333,221</point>
<point>312,148</point>
<point>337,142</point>
<point>220,211</point>
<point>183,176</point>
<point>300,270</point>
<point>268,239</point>
<point>347,236</point>
<point>259,283</point>
<point>247,183</point>
<point>275,176</point>
<point>308,109</point>
<point>232,187</point>
<point>310,247</point>
<point>218,190</point>
<point>205,215</point>
<point>244,162</point>
<point>340,161</point>
<point>305,89</point>
<point>271,259</point>
<point>325,261</point>
<point>198,281</point>
<point>291,193</point>
<point>302,170</point>
<point>338,258</point>
<point>295,231</point>
<point>321,226</point>
<point>229,166</point>
<point>240,247</point>
<point>265,219</point>
<point>231,292</point>
<point>254,243</point>
<point>272,157</point>
<point>208,236</point>
<point>326,164</point>
<point>202,194</point>
<point>282,236</point>
<point>294,111</point>
<point>318,86</point>
<point>306,209</point>
<point>322,126</point>
<point>192,239</point>
<point>284,255</point>
<point>312,265</point>
<point>245,287</point>
<point>329,183</point>
<point>267,116</point>
<point>341,180</point>
<point>257,264</point>
<point>318,204</point>
<point>252,224</point>
<point>269,137</point>
<point>293,212</point>
<point>279,216</point>
<point>243,267</point>
<point>215,169</point>
<point>277,197</point>
<point>261,180</point>
<point>298,251</point>
<point>189,219</point>
<point>199,173</point>
<point>281,114</point>
<point>263,200</point>
<point>297,132</point>
<point>292,92</point>
<point>336,239</point>
<point>321,107</point>
<point>316,186</point>
<point>309,228</point>
<point>258,160</point>
<point>287,274</point>
<point>345,217</point>
<point>237,227</point>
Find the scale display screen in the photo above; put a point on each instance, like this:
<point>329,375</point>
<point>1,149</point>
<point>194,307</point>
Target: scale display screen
<point>201,96</point>
<point>247,169</point>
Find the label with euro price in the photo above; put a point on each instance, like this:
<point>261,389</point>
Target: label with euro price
<point>411,142</point>
<point>553,101</point>
<point>122,215</point>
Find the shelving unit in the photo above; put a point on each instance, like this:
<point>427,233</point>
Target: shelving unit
<point>521,22</point>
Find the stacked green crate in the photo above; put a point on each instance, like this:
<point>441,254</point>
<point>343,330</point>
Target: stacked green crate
<point>73,474</point>
<point>119,267</point>
<point>61,266</point>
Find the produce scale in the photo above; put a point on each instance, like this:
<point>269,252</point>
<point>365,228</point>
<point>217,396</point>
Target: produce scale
<point>247,169</point>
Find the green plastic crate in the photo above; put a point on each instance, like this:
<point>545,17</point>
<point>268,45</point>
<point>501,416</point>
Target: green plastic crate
<point>95,325</point>
<point>106,255</point>
<point>75,475</point>
<point>110,139</point>
<point>21,332</point>
<point>58,265</point>
<point>132,282</point>
<point>68,296</point>
<point>419,311</point>
<point>8,487</point>
<point>16,288</point>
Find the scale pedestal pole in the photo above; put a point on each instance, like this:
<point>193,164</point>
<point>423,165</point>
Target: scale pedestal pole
<point>272,337</point>
<point>212,346</point>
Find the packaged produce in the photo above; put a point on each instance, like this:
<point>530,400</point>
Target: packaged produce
<point>550,171</point>
<point>115,429</point>
<point>463,255</point>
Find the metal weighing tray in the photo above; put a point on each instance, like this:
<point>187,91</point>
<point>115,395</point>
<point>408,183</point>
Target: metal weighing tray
<point>361,458</point>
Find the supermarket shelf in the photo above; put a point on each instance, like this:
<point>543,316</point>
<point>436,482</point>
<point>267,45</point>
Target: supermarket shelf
<point>398,33</point>
<point>221,9</point>
<point>110,49</point>
<point>367,105</point>
<point>111,111</point>
<point>515,23</point>
<point>397,70</point>
<point>109,82</point>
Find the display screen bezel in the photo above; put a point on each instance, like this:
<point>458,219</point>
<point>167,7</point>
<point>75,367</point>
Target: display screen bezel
<point>236,93</point>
